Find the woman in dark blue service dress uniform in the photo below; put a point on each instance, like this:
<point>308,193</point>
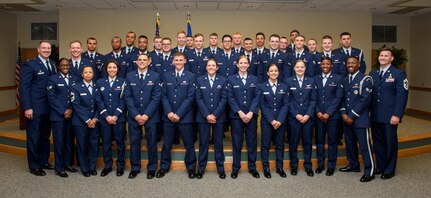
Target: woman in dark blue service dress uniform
<point>329,95</point>
<point>243,98</point>
<point>211,98</point>
<point>302,103</point>
<point>59,92</point>
<point>274,108</point>
<point>85,122</point>
<point>112,109</point>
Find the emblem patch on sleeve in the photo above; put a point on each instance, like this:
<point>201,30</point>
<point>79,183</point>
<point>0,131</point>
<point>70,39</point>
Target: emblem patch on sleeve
<point>406,84</point>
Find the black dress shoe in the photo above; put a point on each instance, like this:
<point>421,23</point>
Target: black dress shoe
<point>151,174</point>
<point>386,175</point>
<point>330,172</point>
<point>93,172</point>
<point>222,175</point>
<point>211,141</point>
<point>105,172</point>
<point>62,174</point>
<point>120,172</point>
<point>234,174</point>
<point>48,166</point>
<point>254,173</point>
<point>37,172</point>
<point>294,170</point>
<point>280,172</point>
<point>320,169</point>
<point>133,174</point>
<point>366,178</point>
<point>378,172</point>
<point>200,174</point>
<point>267,173</point>
<point>161,173</point>
<point>340,143</point>
<point>71,169</point>
<point>177,141</point>
<point>309,172</point>
<point>191,174</point>
<point>86,174</point>
<point>350,169</point>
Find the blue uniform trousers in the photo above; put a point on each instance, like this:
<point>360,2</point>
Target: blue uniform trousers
<point>61,133</point>
<point>385,144</point>
<point>327,129</point>
<point>186,131</point>
<point>270,134</point>
<point>135,134</point>
<point>204,137</point>
<point>352,136</point>
<point>115,132</point>
<point>38,145</point>
<point>304,131</point>
<point>238,130</point>
<point>87,141</point>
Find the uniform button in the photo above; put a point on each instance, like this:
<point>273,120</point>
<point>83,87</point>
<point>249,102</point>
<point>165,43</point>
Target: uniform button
<point>211,105</point>
<point>348,98</point>
<point>110,105</point>
<point>323,96</point>
<point>245,102</point>
<point>110,94</point>
<point>175,89</point>
<point>348,92</point>
<point>142,92</point>
<point>245,96</point>
<point>275,98</point>
<point>323,102</point>
<point>175,95</point>
<point>212,99</point>
<point>227,69</point>
<point>211,93</point>
<point>245,91</point>
<point>378,100</point>
<point>141,98</point>
<point>141,105</point>
<point>378,94</point>
<point>348,105</point>
<point>92,111</point>
<point>300,93</point>
<point>110,99</point>
<point>275,109</point>
<point>275,104</point>
<point>175,102</point>
<point>300,104</point>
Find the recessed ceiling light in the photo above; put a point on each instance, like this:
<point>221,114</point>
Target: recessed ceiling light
<point>186,6</point>
<point>122,6</point>
<point>250,6</point>
<point>312,7</point>
<point>58,6</point>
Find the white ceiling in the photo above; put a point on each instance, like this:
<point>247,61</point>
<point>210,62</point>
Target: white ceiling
<point>377,7</point>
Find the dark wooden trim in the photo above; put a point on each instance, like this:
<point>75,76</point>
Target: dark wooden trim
<point>3,113</point>
<point>424,114</point>
<point>425,89</point>
<point>8,87</point>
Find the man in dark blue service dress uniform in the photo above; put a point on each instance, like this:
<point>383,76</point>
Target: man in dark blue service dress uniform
<point>177,99</point>
<point>143,94</point>
<point>355,114</point>
<point>387,109</point>
<point>34,77</point>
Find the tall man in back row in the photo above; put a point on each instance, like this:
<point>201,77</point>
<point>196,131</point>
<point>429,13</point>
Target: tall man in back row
<point>34,78</point>
<point>387,108</point>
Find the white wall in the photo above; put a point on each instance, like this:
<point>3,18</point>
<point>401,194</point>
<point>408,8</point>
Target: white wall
<point>420,59</point>
<point>8,55</point>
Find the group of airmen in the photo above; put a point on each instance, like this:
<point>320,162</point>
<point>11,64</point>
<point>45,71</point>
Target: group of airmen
<point>197,93</point>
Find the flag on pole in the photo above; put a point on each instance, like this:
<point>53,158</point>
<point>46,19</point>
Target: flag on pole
<point>17,70</point>
<point>189,25</point>
<point>157,24</point>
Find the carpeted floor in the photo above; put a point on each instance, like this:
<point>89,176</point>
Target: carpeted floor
<point>411,180</point>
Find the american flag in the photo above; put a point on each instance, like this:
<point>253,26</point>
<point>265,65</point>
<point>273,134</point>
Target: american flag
<point>157,24</point>
<point>17,70</point>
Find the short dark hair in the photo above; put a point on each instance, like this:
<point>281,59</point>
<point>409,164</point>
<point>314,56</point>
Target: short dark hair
<point>111,61</point>
<point>260,33</point>
<point>345,34</point>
